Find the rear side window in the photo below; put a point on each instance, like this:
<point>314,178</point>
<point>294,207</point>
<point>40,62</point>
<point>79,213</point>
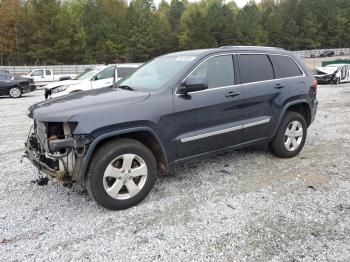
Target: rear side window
<point>124,71</point>
<point>285,66</point>
<point>217,70</point>
<point>48,72</point>
<point>254,68</point>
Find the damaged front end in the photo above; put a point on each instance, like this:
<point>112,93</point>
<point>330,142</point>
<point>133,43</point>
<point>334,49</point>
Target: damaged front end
<point>54,150</point>
<point>325,79</point>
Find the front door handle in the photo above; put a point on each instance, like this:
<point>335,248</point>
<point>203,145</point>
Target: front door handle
<point>279,86</point>
<point>232,94</point>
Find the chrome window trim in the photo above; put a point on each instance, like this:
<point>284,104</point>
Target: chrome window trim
<point>209,57</point>
<point>243,84</point>
<point>226,130</point>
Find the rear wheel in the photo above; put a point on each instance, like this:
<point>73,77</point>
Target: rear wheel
<point>15,92</point>
<point>290,137</point>
<point>121,174</point>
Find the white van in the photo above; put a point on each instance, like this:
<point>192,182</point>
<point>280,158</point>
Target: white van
<point>92,78</point>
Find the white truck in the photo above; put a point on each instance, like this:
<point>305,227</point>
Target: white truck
<point>92,78</point>
<point>44,76</point>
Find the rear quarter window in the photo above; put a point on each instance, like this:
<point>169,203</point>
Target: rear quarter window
<point>255,68</point>
<point>285,66</point>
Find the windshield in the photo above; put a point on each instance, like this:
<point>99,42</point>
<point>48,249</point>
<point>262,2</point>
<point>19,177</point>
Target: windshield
<point>154,74</point>
<point>87,74</point>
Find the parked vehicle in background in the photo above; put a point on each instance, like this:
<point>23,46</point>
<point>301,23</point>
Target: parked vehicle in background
<point>92,78</point>
<point>14,85</point>
<point>333,74</point>
<point>177,107</point>
<point>44,76</point>
<point>327,54</point>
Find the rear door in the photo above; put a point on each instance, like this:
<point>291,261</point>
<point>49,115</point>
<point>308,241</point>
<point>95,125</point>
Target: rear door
<point>211,118</point>
<point>261,96</point>
<point>104,78</point>
<point>287,69</point>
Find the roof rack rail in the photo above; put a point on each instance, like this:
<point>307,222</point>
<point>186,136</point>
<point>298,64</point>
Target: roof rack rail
<point>243,46</point>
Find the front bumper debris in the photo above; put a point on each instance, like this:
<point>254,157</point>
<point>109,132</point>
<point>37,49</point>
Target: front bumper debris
<point>54,151</point>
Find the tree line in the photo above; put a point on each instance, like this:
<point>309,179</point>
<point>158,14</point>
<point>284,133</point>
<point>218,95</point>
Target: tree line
<point>97,31</point>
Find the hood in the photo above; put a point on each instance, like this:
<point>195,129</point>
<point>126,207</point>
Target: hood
<point>63,83</point>
<point>327,70</point>
<point>63,108</point>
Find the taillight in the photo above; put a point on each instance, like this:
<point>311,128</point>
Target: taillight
<point>315,85</point>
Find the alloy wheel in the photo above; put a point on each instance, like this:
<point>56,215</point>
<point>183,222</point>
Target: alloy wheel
<point>15,92</point>
<point>125,176</point>
<point>293,135</point>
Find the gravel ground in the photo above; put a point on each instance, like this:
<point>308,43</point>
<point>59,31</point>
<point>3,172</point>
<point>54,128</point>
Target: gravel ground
<point>242,206</point>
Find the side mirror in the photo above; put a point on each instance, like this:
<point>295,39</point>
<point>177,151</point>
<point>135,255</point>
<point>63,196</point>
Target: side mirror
<point>193,84</point>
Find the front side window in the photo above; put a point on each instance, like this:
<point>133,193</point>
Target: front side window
<point>38,73</point>
<point>285,66</point>
<point>255,68</point>
<point>217,70</point>
<point>107,73</point>
<point>87,74</point>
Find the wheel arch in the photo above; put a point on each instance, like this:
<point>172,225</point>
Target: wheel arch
<point>145,135</point>
<point>301,106</point>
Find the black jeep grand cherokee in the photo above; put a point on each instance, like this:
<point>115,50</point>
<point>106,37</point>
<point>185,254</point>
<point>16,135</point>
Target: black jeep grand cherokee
<point>175,108</point>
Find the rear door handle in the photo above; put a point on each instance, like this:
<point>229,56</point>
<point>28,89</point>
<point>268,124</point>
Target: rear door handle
<point>232,94</point>
<point>279,86</point>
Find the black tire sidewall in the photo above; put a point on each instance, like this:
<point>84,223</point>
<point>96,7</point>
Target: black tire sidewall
<point>20,91</point>
<point>278,145</point>
<point>103,160</point>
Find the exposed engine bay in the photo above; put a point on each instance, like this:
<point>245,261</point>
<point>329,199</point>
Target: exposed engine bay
<point>55,151</point>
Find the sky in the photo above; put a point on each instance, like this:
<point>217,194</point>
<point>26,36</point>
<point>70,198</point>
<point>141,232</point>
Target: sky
<point>240,3</point>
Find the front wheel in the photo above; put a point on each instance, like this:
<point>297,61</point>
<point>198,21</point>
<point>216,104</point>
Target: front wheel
<point>337,81</point>
<point>290,137</point>
<point>121,174</point>
<point>15,92</point>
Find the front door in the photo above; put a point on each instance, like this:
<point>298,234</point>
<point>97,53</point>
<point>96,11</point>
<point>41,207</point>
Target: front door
<point>38,75</point>
<point>212,117</point>
<point>104,78</point>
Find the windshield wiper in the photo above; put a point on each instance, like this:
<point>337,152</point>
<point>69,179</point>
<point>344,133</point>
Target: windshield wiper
<point>125,87</point>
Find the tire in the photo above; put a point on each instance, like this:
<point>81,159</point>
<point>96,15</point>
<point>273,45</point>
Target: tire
<point>337,81</point>
<point>284,145</point>
<point>114,189</point>
<point>15,92</point>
